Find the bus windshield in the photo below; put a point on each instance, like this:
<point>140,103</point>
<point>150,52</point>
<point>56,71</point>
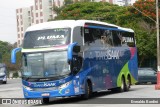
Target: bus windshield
<point>47,38</point>
<point>2,70</point>
<point>44,65</point>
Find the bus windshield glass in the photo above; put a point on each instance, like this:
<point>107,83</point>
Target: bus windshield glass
<point>47,38</point>
<point>2,71</point>
<point>44,65</point>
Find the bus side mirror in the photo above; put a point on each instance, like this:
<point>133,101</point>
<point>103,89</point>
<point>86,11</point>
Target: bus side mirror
<point>13,55</point>
<point>70,51</point>
<point>76,49</point>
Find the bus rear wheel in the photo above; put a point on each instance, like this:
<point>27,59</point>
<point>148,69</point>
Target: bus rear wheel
<point>45,100</point>
<point>88,90</point>
<point>123,85</point>
<point>128,84</point>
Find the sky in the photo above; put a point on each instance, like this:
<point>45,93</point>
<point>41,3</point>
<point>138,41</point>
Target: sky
<point>8,24</point>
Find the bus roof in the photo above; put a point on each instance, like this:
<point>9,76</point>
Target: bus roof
<point>70,23</point>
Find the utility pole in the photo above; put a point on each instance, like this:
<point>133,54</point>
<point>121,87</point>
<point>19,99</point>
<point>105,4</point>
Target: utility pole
<point>157,86</point>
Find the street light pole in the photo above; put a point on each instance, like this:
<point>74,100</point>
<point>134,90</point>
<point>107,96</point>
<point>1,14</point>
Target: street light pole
<point>157,86</point>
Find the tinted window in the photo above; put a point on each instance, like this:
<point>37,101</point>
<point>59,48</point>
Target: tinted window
<point>117,36</point>
<point>106,37</point>
<point>88,37</point>
<point>77,35</point>
<point>128,39</point>
<point>2,70</point>
<point>97,37</point>
<point>47,38</point>
<point>145,72</point>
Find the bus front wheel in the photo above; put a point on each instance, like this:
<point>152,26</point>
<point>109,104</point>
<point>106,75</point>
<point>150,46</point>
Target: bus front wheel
<point>88,90</point>
<point>4,82</point>
<point>45,100</point>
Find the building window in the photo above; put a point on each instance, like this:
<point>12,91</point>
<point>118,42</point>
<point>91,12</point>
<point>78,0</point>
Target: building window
<point>19,42</point>
<point>18,29</point>
<point>103,0</point>
<point>29,19</point>
<point>36,4</point>
<point>36,14</point>
<point>29,13</point>
<point>50,16</point>
<point>40,6</point>
<point>40,1</point>
<point>17,22</point>
<point>54,3</point>
<point>18,35</point>
<point>59,3</point>
<point>21,10</point>
<point>36,7</point>
<point>41,20</point>
<point>31,7</point>
<point>32,14</point>
<point>50,3</point>
<point>22,35</point>
<point>41,14</point>
<point>32,20</point>
<point>21,22</point>
<point>37,21</point>
<point>21,28</point>
<point>21,16</point>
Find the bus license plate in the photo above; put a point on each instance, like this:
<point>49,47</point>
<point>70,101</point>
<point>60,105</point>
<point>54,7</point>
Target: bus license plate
<point>45,94</point>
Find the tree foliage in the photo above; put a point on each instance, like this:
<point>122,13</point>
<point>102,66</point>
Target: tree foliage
<point>5,50</point>
<point>129,17</point>
<point>147,8</point>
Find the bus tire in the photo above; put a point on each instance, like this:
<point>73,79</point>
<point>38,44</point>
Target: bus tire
<point>123,85</point>
<point>45,100</point>
<point>4,82</point>
<point>128,83</point>
<point>88,90</point>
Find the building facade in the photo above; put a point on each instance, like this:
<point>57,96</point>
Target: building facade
<point>124,2</point>
<point>41,11</point>
<point>23,21</point>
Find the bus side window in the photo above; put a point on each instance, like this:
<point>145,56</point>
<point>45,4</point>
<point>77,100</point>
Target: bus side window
<point>117,37</point>
<point>77,35</point>
<point>106,38</point>
<point>128,39</point>
<point>88,37</point>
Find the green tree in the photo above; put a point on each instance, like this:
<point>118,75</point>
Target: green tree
<point>5,50</point>
<point>123,16</point>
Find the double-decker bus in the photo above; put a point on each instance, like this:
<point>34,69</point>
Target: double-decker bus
<point>76,58</point>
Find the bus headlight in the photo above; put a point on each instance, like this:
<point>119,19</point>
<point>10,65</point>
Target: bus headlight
<point>65,85</point>
<point>28,88</point>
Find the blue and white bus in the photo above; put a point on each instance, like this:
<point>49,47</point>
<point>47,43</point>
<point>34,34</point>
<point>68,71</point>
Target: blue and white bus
<point>75,58</point>
<point>3,73</point>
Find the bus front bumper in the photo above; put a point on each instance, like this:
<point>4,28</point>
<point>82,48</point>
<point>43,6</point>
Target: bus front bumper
<point>63,92</point>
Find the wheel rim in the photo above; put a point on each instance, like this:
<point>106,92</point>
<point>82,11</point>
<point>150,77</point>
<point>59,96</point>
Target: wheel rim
<point>88,89</point>
<point>128,83</point>
<point>122,85</point>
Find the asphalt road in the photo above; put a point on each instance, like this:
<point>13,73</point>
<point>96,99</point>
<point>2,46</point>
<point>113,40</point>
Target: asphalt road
<point>13,90</point>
